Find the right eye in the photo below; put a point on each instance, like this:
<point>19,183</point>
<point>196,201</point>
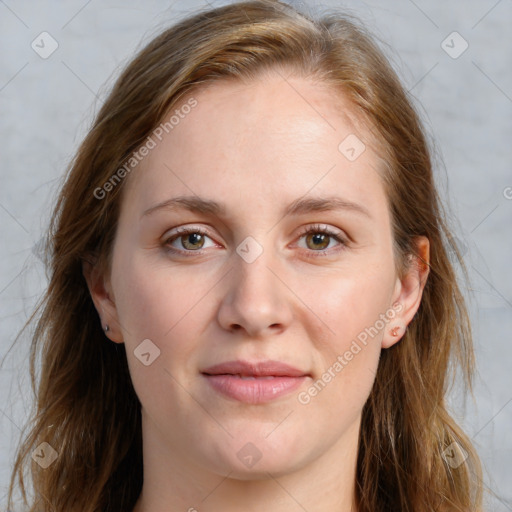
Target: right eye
<point>185,240</point>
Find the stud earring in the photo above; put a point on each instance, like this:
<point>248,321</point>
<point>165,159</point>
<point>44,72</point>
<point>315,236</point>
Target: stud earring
<point>394,331</point>
<point>106,328</point>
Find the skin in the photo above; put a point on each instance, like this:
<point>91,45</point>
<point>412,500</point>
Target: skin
<point>289,304</point>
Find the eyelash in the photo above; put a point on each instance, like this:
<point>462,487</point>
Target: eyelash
<point>315,229</point>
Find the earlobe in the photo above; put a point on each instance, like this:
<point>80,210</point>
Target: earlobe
<point>101,295</point>
<point>409,291</point>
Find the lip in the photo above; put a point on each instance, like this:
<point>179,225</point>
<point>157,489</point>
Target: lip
<point>254,383</point>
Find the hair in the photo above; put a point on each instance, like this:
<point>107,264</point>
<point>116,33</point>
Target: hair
<point>86,407</point>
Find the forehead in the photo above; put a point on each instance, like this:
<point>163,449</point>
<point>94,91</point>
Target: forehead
<point>277,135</point>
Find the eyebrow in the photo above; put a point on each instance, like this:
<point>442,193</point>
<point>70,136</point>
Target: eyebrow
<point>300,206</point>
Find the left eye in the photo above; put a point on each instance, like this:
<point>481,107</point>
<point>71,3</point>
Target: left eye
<point>320,240</point>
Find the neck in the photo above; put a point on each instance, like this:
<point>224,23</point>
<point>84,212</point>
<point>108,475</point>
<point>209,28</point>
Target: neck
<point>174,483</point>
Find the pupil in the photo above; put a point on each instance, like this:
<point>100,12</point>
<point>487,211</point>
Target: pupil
<point>319,240</point>
<point>192,241</point>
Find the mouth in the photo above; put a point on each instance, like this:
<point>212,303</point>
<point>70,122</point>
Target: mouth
<point>254,383</point>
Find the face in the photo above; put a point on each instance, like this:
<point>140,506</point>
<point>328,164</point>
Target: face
<point>253,280</point>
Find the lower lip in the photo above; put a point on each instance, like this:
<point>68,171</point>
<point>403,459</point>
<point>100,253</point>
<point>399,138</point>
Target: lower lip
<point>254,391</point>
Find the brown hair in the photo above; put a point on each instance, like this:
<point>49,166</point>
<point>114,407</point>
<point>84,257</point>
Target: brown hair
<point>86,407</point>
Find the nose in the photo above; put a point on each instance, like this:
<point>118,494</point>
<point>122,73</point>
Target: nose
<point>256,300</point>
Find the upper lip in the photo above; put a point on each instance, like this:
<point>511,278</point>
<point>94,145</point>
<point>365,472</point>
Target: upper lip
<point>255,369</point>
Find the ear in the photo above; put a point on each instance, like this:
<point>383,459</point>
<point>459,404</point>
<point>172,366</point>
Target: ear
<point>102,296</point>
<point>408,291</point>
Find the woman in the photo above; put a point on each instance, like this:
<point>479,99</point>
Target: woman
<point>251,303</point>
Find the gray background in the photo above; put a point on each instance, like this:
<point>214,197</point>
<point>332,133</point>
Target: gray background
<point>47,105</point>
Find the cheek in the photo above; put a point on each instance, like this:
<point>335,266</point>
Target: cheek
<point>154,297</point>
<point>349,301</point>
<point>354,309</point>
<point>161,304</point>
<point>167,305</point>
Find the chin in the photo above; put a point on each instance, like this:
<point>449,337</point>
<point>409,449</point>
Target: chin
<point>255,460</point>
